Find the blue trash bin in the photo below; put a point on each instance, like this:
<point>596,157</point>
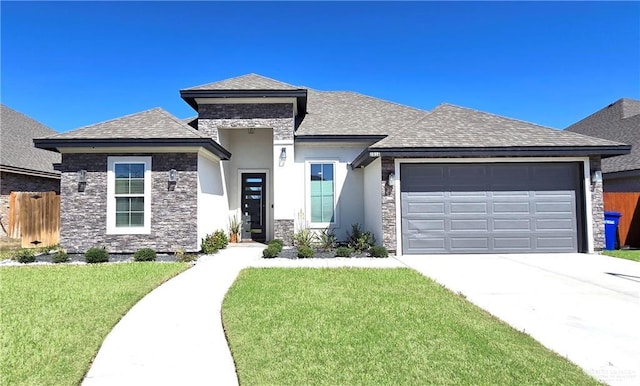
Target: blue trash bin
<point>611,220</point>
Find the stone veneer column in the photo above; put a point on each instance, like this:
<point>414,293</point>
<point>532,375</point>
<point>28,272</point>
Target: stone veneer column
<point>388,206</point>
<point>597,207</point>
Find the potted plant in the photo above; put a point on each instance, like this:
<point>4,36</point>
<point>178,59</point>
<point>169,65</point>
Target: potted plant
<point>234,229</point>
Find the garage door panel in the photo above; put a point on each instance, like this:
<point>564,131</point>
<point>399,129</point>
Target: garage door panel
<point>483,208</point>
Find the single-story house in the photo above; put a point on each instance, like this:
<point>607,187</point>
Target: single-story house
<point>450,180</point>
<point>620,122</point>
<point>23,167</point>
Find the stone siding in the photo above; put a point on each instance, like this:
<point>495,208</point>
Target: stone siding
<point>388,206</point>
<point>597,207</point>
<point>278,116</point>
<point>283,230</point>
<point>14,182</point>
<point>173,213</point>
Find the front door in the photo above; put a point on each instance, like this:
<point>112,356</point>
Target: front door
<point>254,205</point>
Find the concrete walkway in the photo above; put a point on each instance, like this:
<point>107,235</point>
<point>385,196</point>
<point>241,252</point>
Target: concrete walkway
<point>584,307</point>
<point>174,335</point>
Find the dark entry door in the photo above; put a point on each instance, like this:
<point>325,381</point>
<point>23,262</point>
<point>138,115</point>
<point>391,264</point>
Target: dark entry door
<point>254,204</point>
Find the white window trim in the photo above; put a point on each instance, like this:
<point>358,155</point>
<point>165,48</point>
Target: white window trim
<point>111,199</point>
<point>307,194</point>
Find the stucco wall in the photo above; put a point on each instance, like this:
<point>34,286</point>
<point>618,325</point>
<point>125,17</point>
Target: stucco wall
<point>13,182</point>
<point>373,200</point>
<point>349,188</point>
<point>173,213</point>
<point>213,206</point>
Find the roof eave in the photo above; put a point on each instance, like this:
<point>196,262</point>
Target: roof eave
<point>206,143</point>
<point>621,174</point>
<point>29,172</point>
<point>339,138</point>
<point>513,151</point>
<point>190,96</point>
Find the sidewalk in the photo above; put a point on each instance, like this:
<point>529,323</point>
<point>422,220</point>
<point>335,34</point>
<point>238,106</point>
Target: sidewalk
<point>174,335</point>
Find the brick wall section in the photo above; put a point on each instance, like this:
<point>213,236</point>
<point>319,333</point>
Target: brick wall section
<point>388,206</point>
<point>13,182</point>
<point>597,205</point>
<point>278,116</point>
<point>173,213</point>
<point>283,230</point>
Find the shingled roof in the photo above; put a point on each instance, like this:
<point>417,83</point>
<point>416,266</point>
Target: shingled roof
<point>154,127</point>
<point>449,126</point>
<point>619,121</point>
<point>245,82</point>
<point>17,153</point>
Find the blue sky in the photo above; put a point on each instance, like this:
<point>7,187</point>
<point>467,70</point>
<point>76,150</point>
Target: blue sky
<point>72,64</point>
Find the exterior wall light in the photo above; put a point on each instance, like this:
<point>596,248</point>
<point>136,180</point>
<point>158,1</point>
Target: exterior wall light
<point>82,180</point>
<point>391,179</point>
<point>283,156</point>
<point>173,179</point>
<point>597,176</point>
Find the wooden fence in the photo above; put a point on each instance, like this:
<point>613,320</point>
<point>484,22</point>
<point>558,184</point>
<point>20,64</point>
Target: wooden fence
<point>629,205</point>
<point>34,217</point>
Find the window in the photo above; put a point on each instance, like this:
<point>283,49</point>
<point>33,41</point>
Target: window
<point>129,195</point>
<point>322,193</point>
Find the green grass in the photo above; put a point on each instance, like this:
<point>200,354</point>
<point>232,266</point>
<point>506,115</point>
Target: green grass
<point>375,327</point>
<point>624,254</point>
<point>54,318</point>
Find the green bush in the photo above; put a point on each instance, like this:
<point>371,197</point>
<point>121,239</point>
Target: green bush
<point>305,252</point>
<point>327,239</point>
<point>96,255</point>
<point>344,252</point>
<point>378,251</point>
<point>145,254</point>
<point>276,245</point>
<point>304,238</point>
<point>277,241</point>
<point>358,240</point>
<point>271,251</point>
<point>215,241</point>
<point>60,257</point>
<point>25,256</point>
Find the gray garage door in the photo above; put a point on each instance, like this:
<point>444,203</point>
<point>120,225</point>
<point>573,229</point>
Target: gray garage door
<point>484,208</point>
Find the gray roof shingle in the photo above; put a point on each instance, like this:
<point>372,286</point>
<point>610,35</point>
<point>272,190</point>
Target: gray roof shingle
<point>16,143</point>
<point>619,121</point>
<point>245,82</point>
<point>350,113</point>
<point>150,124</point>
<point>449,126</point>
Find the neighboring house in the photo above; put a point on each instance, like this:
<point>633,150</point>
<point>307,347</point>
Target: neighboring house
<point>23,167</point>
<point>452,180</point>
<point>620,122</point>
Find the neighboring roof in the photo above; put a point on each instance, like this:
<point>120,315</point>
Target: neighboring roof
<point>346,112</point>
<point>245,82</point>
<point>17,153</point>
<point>619,121</point>
<point>154,127</point>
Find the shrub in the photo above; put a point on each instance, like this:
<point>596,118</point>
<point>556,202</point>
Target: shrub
<point>271,251</point>
<point>144,254</point>
<point>359,240</point>
<point>276,245</point>
<point>96,255</point>
<point>183,257</point>
<point>304,238</point>
<point>327,239</point>
<point>277,241</point>
<point>211,243</point>
<point>60,257</point>
<point>25,256</point>
<point>344,252</point>
<point>305,252</point>
<point>378,251</point>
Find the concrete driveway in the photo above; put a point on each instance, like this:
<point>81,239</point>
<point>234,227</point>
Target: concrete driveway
<point>584,307</point>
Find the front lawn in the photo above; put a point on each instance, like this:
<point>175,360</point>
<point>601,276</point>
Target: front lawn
<point>54,318</point>
<point>624,254</point>
<point>366,326</point>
